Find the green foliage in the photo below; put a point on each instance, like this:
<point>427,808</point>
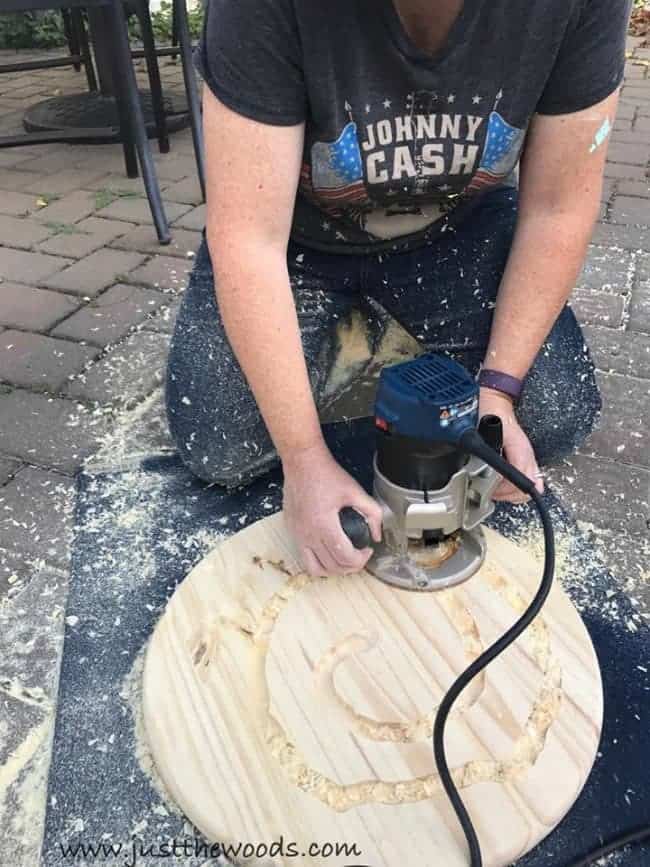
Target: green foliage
<point>32,30</point>
<point>107,195</point>
<point>45,29</point>
<point>103,198</point>
<point>63,228</point>
<point>162,21</point>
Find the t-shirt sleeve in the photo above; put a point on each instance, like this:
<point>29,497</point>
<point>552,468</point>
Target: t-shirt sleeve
<point>249,55</point>
<point>591,60</point>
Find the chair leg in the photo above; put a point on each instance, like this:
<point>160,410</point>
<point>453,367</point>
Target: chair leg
<point>126,134</point>
<point>71,37</point>
<point>153,71</point>
<point>79,28</point>
<point>174,29</point>
<point>127,91</point>
<point>121,101</point>
<point>189,78</point>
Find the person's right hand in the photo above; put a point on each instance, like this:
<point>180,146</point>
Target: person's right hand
<point>316,488</point>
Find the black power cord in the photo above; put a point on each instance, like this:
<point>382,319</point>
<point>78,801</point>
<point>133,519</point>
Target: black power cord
<point>472,442</point>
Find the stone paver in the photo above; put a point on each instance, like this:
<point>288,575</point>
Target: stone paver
<point>134,209</point>
<point>635,188</point>
<point>187,191</point>
<point>634,154</point>
<point>60,183</point>
<point>605,268</point>
<point>16,181</point>
<point>623,432</point>
<point>127,373</point>
<point>625,236</point>
<point>17,204</point>
<point>625,112</point>
<point>22,232</point>
<point>598,308</point>
<point>620,351</point>
<point>630,209</point>
<point>163,272</point>
<point>183,243</point>
<point>36,514</point>
<point>194,219</point>
<point>90,275</point>
<point>115,184</point>
<point>640,308</point>
<point>624,125</point>
<point>68,209</point>
<point>14,157</point>
<point>50,431</point>
<point>21,266</point>
<point>35,361</point>
<point>50,160</point>
<point>110,158</point>
<point>33,309</point>
<point>111,315</point>
<point>84,237</point>
<point>628,136</point>
<point>623,170</point>
<point>174,166</point>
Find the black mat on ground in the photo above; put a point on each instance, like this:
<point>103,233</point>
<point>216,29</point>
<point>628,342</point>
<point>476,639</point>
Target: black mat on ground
<point>139,533</point>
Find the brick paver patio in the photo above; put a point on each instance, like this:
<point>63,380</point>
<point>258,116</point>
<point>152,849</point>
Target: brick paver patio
<point>87,302</point>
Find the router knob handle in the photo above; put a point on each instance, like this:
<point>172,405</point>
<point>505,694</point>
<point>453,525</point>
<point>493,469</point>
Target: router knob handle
<point>490,428</point>
<point>355,527</point>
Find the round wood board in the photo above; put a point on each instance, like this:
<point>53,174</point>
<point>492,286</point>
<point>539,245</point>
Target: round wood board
<point>284,708</point>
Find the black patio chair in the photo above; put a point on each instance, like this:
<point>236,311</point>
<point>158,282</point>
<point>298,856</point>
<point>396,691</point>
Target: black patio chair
<point>78,48</point>
<point>74,28</point>
<point>132,131</point>
<point>181,44</point>
<point>182,33</point>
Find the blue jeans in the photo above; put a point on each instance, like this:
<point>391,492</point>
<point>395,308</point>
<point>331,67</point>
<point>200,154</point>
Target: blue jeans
<point>443,294</point>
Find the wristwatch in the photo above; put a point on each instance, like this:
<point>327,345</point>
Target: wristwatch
<point>499,381</point>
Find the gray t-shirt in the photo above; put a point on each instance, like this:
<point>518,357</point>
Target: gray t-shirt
<point>394,137</point>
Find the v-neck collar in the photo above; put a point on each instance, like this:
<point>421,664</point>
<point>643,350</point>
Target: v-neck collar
<point>419,55</point>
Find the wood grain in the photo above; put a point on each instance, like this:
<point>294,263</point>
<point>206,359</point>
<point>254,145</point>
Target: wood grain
<point>278,706</point>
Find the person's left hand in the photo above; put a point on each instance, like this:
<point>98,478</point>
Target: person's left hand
<point>517,448</point>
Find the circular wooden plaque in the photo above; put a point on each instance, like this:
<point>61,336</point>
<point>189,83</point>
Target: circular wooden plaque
<point>291,715</point>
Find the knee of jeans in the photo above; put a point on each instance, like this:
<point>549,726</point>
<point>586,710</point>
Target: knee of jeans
<point>218,456</point>
<point>220,465</point>
<point>211,445</point>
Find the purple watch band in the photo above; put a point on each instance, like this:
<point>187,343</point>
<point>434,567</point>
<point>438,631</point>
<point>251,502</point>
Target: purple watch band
<point>503,382</point>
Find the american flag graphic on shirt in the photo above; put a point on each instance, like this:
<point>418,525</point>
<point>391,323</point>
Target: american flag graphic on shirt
<point>502,148</point>
<point>336,172</point>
